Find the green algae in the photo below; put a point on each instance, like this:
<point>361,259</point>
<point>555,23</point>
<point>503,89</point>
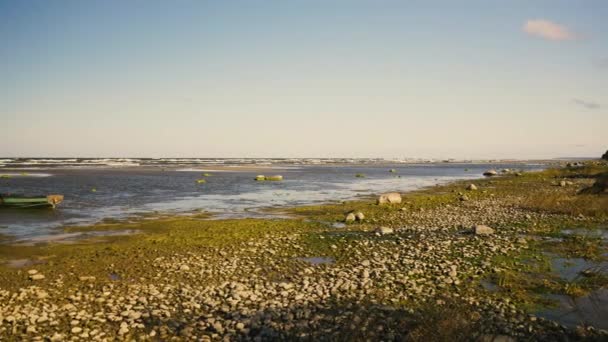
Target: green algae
<point>130,254</point>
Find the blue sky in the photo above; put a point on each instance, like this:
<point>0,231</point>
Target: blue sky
<point>464,79</point>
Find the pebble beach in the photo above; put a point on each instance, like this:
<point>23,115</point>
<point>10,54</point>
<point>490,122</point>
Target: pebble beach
<point>448,262</point>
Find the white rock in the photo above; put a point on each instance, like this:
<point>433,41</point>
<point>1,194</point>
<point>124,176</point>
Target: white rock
<point>384,230</point>
<point>57,337</point>
<point>481,229</point>
<point>389,198</point>
<point>350,217</point>
<point>359,216</point>
<point>123,330</point>
<point>37,276</point>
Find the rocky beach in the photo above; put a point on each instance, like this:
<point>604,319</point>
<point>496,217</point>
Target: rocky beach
<point>465,261</point>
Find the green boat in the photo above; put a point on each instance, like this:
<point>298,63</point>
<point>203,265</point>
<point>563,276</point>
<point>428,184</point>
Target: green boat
<point>42,201</point>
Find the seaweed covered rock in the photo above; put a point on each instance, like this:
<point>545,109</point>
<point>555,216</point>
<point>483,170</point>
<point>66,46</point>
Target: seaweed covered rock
<point>274,178</point>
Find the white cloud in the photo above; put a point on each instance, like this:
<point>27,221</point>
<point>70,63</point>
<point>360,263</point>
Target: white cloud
<point>548,30</point>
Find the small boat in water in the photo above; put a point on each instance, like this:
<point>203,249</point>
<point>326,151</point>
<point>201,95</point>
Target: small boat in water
<point>42,201</point>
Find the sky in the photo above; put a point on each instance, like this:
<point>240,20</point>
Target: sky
<point>394,79</point>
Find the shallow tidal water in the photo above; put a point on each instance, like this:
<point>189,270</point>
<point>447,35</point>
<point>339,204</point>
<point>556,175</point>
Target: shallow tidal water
<point>95,194</point>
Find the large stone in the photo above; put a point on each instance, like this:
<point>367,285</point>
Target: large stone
<point>490,173</point>
<point>599,187</point>
<point>359,216</point>
<point>350,217</point>
<point>384,230</point>
<point>481,229</point>
<point>37,276</point>
<point>389,198</point>
<point>472,187</point>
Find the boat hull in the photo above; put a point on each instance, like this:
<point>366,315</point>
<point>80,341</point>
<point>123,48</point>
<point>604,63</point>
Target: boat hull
<point>50,201</point>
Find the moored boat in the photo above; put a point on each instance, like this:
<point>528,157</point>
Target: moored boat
<point>42,201</point>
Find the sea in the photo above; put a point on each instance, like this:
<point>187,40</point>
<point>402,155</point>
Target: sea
<point>103,189</point>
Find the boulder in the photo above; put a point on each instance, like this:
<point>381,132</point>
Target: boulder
<point>359,216</point>
<point>481,229</point>
<point>562,183</point>
<point>384,230</point>
<point>260,178</point>
<point>490,173</point>
<point>37,276</point>
<point>600,187</point>
<point>472,187</point>
<point>389,198</point>
<point>350,217</point>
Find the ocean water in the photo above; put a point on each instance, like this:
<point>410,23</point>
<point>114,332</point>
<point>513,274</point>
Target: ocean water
<point>98,192</point>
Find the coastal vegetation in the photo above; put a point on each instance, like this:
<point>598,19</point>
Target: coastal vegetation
<point>414,269</point>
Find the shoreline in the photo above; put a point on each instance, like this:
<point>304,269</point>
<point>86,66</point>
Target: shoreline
<point>245,278</point>
<point>252,167</point>
<point>269,211</point>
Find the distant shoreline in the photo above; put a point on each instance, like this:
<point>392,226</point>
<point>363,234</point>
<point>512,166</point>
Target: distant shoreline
<point>236,164</point>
